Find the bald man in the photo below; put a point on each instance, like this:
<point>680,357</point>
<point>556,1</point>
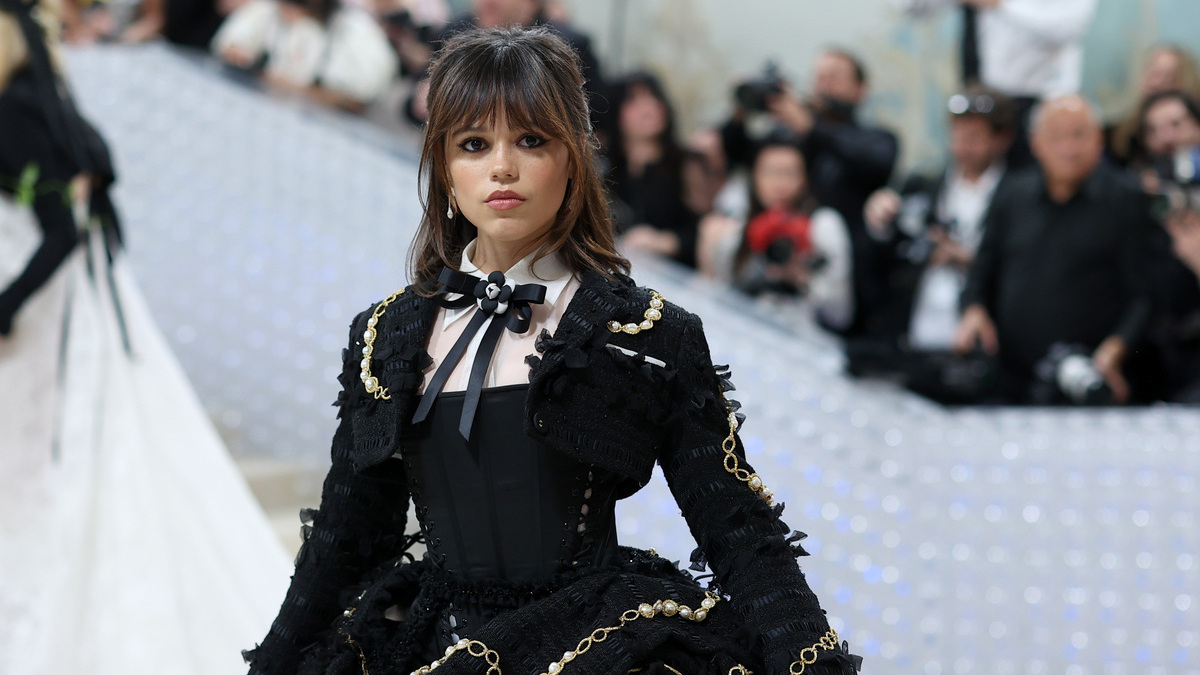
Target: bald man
<point>1065,259</point>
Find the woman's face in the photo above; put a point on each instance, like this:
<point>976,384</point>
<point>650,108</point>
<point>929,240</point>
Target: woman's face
<point>508,181</point>
<point>1162,73</point>
<point>643,116</point>
<point>1169,128</point>
<point>779,178</point>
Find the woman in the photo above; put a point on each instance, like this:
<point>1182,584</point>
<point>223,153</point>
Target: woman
<point>128,540</point>
<point>515,392</point>
<point>788,243</point>
<point>1168,68</point>
<point>648,171</point>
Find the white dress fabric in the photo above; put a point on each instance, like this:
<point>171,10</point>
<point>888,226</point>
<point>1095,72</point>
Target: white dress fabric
<point>129,543</point>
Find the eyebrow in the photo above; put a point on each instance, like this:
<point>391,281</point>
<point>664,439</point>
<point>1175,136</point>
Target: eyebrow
<point>487,130</point>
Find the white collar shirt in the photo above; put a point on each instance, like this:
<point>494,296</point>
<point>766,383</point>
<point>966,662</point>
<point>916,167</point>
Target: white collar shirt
<point>964,203</point>
<point>508,365</point>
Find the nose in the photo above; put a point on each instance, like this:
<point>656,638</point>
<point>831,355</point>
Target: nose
<point>504,165</point>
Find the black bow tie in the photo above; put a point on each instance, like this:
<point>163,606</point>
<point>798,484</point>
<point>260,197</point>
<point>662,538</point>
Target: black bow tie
<point>502,303</point>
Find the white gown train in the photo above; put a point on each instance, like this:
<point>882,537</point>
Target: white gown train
<point>129,542</point>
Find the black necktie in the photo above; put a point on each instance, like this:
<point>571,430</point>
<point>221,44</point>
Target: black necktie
<point>502,303</point>
<point>970,45</point>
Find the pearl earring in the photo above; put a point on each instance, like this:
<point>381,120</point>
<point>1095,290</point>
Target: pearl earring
<point>450,205</point>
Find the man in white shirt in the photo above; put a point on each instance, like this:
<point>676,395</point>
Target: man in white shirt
<point>1029,50</point>
<point>937,224</point>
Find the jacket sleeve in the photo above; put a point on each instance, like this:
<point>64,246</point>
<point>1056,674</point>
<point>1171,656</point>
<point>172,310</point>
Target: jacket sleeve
<point>869,154</point>
<point>984,273</point>
<point>359,525</point>
<point>1137,264</point>
<point>28,143</point>
<point>747,546</point>
<point>58,240</point>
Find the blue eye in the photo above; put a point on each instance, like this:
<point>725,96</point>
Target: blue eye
<point>472,145</point>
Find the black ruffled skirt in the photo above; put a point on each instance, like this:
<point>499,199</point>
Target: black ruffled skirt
<point>642,613</point>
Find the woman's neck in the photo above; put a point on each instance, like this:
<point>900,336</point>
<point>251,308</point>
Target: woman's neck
<point>490,255</point>
<point>640,153</point>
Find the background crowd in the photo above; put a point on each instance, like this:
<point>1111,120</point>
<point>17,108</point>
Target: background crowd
<point>1053,258</point>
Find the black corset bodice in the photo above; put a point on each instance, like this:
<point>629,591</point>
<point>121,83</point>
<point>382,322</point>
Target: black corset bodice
<point>501,506</point>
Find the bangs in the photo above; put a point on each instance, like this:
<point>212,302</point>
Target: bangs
<point>508,82</point>
<point>532,81</point>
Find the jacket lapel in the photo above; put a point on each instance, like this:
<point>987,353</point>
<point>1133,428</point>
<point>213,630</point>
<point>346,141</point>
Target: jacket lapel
<point>597,301</point>
<point>400,353</point>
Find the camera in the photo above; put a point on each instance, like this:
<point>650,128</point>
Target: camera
<point>1179,178</point>
<point>1067,371</point>
<point>781,250</point>
<point>753,94</point>
<point>775,239</point>
<point>916,218</point>
<point>777,234</point>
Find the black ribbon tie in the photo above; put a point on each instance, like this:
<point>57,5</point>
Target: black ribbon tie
<point>502,304</point>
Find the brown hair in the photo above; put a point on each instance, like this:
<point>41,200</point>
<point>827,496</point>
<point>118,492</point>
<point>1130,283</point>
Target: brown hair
<point>1127,134</point>
<point>531,78</point>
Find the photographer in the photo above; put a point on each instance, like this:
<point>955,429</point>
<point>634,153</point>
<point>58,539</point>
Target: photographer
<point>846,161</point>
<point>1169,122</point>
<point>1177,332</point>
<point>934,224</point>
<point>1060,288</point>
<point>788,245</point>
<point>1170,132</point>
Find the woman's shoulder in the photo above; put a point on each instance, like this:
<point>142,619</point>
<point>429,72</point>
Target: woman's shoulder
<point>647,310</point>
<point>392,310</point>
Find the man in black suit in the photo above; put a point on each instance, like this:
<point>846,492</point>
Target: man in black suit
<point>1065,258</point>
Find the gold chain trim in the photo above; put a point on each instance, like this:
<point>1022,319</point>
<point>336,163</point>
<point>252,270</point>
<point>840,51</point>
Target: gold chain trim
<point>732,465</point>
<point>474,648</point>
<point>370,381</point>
<point>643,611</point>
<point>739,669</point>
<point>808,655</point>
<point>654,313</point>
<point>362,658</point>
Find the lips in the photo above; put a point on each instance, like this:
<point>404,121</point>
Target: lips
<point>502,200</point>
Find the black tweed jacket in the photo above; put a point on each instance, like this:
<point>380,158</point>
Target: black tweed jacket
<point>618,401</point>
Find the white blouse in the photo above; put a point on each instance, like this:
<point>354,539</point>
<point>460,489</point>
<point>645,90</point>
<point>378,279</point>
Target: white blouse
<point>508,361</point>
